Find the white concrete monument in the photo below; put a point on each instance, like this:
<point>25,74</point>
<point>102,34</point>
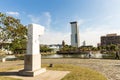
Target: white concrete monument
<point>32,62</point>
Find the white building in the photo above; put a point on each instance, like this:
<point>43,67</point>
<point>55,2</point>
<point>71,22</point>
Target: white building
<point>74,34</point>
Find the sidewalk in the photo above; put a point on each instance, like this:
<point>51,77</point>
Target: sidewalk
<point>48,75</point>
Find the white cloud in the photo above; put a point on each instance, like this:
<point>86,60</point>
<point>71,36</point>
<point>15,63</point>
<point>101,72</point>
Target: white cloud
<point>47,18</point>
<point>43,19</point>
<point>55,38</point>
<point>80,22</point>
<point>34,19</point>
<point>107,25</point>
<point>92,36</point>
<point>13,13</point>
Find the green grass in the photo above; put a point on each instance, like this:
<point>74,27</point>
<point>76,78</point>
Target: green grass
<point>8,69</point>
<point>77,72</point>
<point>11,68</point>
<point>8,78</point>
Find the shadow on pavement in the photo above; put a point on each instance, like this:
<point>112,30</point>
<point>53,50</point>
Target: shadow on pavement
<point>8,73</point>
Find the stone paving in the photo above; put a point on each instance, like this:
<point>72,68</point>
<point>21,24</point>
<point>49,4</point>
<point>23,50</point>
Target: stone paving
<point>48,75</point>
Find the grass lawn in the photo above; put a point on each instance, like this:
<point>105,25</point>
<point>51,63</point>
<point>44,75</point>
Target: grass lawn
<point>76,72</point>
<point>8,78</point>
<point>7,69</point>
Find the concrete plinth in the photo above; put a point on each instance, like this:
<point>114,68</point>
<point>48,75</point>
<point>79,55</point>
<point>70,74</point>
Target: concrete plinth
<point>32,65</point>
<point>32,73</point>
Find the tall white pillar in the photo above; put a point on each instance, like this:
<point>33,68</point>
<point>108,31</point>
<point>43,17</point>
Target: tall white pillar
<point>32,62</point>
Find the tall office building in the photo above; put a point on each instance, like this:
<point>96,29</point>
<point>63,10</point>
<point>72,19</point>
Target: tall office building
<point>74,34</point>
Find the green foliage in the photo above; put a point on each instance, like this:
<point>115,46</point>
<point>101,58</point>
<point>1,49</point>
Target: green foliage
<point>18,44</point>
<point>8,78</point>
<point>82,48</point>
<point>94,49</point>
<point>12,29</point>
<point>87,48</point>
<point>45,49</point>
<point>111,47</point>
<point>68,48</point>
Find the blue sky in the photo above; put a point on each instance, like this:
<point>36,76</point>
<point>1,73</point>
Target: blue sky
<point>95,17</point>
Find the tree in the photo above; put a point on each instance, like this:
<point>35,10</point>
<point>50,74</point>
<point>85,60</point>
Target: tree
<point>68,48</point>
<point>12,30</point>
<point>45,48</point>
<point>3,35</point>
